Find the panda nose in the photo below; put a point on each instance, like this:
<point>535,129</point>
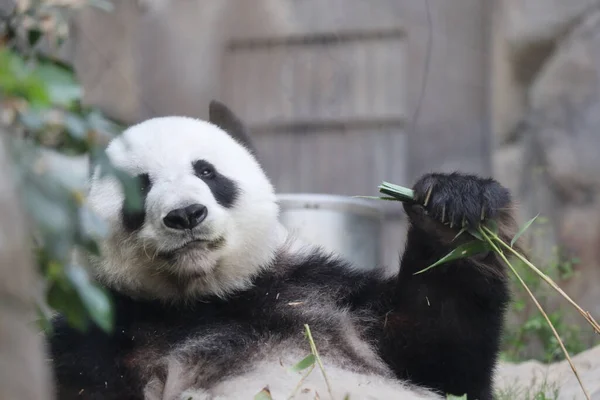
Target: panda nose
<point>187,217</point>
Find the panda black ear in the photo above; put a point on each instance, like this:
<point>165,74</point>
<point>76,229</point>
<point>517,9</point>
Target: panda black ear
<point>220,115</point>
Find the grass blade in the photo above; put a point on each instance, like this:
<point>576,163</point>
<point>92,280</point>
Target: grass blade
<point>313,347</point>
<point>305,363</point>
<point>463,251</point>
<point>522,230</point>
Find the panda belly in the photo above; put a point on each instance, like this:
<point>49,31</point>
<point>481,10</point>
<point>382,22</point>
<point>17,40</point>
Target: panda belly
<point>275,373</point>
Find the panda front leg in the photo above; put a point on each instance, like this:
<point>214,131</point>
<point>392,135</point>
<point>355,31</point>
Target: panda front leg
<point>445,328</point>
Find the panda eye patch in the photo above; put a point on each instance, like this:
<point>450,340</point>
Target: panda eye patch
<point>204,169</point>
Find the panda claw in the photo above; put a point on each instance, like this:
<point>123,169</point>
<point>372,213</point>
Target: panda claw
<point>428,195</point>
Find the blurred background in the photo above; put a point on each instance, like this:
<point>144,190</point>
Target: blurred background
<point>340,95</point>
<point>343,94</point>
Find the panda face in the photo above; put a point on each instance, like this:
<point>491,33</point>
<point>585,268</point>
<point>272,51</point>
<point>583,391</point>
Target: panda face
<point>209,220</point>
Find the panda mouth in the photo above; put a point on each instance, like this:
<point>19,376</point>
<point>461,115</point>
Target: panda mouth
<point>200,244</point>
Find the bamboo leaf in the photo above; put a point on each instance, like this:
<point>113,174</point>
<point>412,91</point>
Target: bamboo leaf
<point>94,298</point>
<point>463,230</point>
<point>305,363</point>
<point>463,251</point>
<point>492,225</point>
<point>522,230</point>
<point>264,394</point>
<point>475,233</point>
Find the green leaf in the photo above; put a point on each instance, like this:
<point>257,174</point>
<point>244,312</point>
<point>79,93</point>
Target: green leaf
<point>33,36</point>
<point>65,300</point>
<point>522,230</point>
<point>452,397</point>
<point>18,80</point>
<point>463,230</point>
<point>98,122</point>
<point>90,245</point>
<point>33,120</point>
<point>475,233</point>
<point>492,225</point>
<point>76,126</point>
<point>264,394</point>
<point>131,186</point>
<point>463,251</point>
<point>49,207</point>
<point>62,86</point>
<point>43,320</point>
<point>91,224</point>
<point>94,298</point>
<point>305,363</point>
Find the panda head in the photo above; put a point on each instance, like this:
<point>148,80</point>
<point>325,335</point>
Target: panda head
<point>209,221</point>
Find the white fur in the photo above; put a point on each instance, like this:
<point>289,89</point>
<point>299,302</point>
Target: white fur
<point>274,372</point>
<point>166,148</point>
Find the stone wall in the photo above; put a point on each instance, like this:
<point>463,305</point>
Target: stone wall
<point>546,119</point>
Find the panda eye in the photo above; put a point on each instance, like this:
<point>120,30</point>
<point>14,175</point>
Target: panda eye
<point>207,172</point>
<point>204,170</point>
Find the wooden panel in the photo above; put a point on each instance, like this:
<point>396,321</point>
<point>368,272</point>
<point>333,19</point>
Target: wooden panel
<point>335,162</point>
<point>354,77</point>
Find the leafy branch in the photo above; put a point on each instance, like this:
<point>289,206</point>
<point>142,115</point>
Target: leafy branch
<point>51,134</point>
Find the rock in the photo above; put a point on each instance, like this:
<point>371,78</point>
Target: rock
<point>533,21</point>
<point>508,161</point>
<point>512,380</point>
<point>565,104</point>
<point>579,234</point>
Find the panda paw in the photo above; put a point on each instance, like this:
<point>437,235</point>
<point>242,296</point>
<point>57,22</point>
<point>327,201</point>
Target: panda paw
<point>457,200</point>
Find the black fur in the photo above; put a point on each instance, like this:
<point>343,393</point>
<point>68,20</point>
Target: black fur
<point>223,189</point>
<point>133,219</point>
<point>220,115</point>
<point>440,329</point>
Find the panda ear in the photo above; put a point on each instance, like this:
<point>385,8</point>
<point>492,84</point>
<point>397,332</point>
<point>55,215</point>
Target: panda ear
<point>220,115</point>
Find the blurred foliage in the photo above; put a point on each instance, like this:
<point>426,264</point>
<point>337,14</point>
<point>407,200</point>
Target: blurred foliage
<point>47,124</point>
<point>533,338</point>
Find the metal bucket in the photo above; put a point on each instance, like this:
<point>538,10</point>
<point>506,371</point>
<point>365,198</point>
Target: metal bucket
<point>347,226</point>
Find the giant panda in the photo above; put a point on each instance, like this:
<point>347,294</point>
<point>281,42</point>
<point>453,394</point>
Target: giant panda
<point>211,294</point>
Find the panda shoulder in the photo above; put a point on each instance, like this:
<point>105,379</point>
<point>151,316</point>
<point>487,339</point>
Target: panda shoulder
<point>315,265</point>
